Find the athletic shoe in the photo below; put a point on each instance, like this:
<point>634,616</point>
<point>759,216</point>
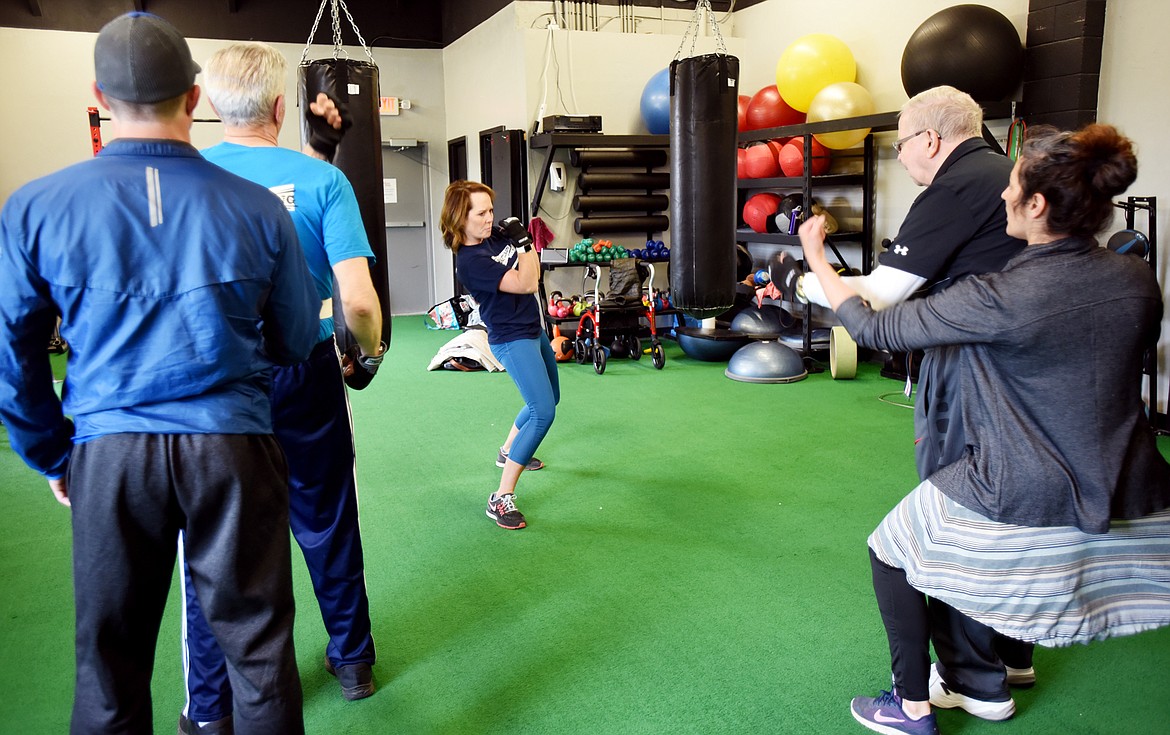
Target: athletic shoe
<point>533,464</point>
<point>357,680</point>
<point>1022,678</point>
<point>942,696</point>
<point>884,714</point>
<point>219,727</point>
<point>785,275</point>
<point>503,511</point>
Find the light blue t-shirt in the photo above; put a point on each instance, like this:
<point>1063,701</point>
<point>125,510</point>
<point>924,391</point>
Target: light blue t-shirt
<point>319,198</point>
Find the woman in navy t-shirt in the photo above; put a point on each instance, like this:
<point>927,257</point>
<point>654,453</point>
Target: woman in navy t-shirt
<point>502,272</point>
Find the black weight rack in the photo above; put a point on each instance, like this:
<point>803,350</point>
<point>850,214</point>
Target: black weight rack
<point>1149,207</point>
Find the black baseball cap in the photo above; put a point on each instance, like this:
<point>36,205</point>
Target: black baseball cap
<point>141,58</point>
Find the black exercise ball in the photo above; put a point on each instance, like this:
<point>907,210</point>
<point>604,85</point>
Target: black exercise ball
<point>971,47</point>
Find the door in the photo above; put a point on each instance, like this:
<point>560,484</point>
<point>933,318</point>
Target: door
<point>408,239</point>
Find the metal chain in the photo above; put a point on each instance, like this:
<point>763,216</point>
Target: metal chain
<point>692,24</point>
<point>693,28</point>
<point>338,47</point>
<point>337,32</point>
<point>714,26</point>
<point>353,25</point>
<point>316,22</point>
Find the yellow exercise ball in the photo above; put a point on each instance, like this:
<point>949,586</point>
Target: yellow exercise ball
<point>811,63</point>
<point>838,101</point>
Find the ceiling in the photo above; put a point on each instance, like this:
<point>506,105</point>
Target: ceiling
<point>391,23</point>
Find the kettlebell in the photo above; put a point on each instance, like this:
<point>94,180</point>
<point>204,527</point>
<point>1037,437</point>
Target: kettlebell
<point>562,346</point>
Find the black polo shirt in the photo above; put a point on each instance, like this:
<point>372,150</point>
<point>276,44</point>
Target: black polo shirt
<point>957,225</point>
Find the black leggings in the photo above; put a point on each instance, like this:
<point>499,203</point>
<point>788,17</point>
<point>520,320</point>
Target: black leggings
<point>971,655</point>
<point>907,620</point>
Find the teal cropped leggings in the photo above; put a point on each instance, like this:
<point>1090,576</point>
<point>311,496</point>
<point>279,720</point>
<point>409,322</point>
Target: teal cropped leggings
<point>533,367</point>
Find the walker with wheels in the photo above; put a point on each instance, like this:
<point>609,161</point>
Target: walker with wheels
<point>612,325</point>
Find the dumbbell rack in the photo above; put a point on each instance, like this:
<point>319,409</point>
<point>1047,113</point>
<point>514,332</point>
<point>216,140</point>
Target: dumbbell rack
<point>1148,205</point>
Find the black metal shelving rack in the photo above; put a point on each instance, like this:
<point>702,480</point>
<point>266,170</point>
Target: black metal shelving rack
<point>1148,206</point>
<point>552,143</point>
<point>808,183</point>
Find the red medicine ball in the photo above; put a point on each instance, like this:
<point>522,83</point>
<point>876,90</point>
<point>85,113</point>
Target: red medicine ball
<point>768,110</point>
<point>792,158</point>
<point>740,158</point>
<point>741,113</point>
<point>776,144</point>
<point>760,162</point>
<point>760,208</point>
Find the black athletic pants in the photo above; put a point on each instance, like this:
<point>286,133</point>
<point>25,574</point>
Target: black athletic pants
<point>131,494</point>
<point>969,653</point>
<point>972,656</point>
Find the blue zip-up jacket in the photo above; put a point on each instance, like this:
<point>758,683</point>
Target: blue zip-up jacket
<point>178,285</point>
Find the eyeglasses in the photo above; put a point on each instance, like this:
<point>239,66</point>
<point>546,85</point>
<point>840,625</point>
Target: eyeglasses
<point>902,141</point>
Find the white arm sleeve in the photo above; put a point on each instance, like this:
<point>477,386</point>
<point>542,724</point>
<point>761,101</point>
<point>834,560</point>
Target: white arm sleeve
<point>883,287</point>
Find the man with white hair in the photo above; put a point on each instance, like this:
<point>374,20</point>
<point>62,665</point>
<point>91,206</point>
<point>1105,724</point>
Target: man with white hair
<point>955,228</point>
<point>310,409</point>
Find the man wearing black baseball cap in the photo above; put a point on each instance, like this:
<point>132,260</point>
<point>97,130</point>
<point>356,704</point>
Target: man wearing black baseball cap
<point>141,58</point>
<point>179,286</point>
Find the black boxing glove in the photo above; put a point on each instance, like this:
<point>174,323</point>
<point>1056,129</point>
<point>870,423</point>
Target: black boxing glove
<point>323,137</point>
<point>514,231</point>
<point>785,274</point>
<point>362,368</point>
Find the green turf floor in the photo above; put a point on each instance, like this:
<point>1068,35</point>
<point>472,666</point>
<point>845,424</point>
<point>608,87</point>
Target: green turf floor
<point>695,563</point>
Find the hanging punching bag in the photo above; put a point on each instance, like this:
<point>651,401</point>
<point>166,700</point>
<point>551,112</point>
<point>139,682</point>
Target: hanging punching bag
<point>704,94</point>
<point>359,156</point>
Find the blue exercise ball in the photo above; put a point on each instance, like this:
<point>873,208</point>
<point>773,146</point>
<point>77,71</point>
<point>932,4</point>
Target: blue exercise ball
<point>656,103</point>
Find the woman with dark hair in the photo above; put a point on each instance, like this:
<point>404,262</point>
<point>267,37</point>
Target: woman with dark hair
<point>502,272</point>
<point>1053,527</point>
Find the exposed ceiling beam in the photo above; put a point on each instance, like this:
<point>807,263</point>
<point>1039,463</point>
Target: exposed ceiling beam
<point>34,7</point>
<point>233,6</point>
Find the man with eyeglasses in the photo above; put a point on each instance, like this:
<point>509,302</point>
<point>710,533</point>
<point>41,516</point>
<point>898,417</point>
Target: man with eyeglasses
<point>955,228</point>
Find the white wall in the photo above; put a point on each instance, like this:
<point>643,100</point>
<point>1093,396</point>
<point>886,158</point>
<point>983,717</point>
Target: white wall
<point>418,75</point>
<point>48,128</point>
<point>484,88</point>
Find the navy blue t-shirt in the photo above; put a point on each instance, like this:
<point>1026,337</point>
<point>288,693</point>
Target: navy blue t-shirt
<point>957,226</point>
<point>508,316</point>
